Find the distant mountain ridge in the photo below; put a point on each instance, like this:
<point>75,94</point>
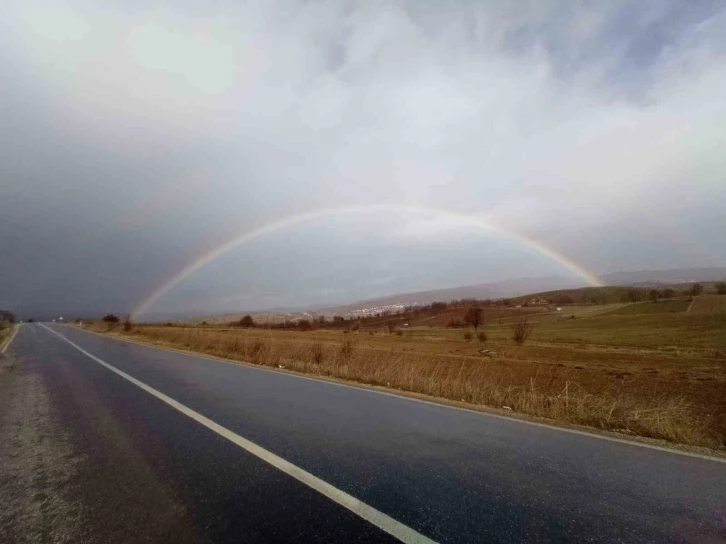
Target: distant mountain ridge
<point>524,286</point>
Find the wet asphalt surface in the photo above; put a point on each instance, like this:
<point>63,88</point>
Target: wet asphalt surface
<point>86,456</point>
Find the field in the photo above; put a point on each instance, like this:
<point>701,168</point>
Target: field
<point>5,330</point>
<point>660,375</point>
<point>709,304</point>
<point>650,307</point>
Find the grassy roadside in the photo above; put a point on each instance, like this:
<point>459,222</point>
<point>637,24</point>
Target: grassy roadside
<point>567,374</point>
<point>6,331</point>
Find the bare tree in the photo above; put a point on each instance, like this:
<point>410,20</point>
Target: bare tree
<point>667,293</point>
<point>521,330</point>
<point>127,325</point>
<point>473,317</point>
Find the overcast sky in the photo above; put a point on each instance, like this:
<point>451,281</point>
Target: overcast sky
<point>136,137</point>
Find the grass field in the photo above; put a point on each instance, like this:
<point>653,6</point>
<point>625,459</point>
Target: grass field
<point>709,304</point>
<point>5,330</point>
<point>650,307</point>
<point>660,375</point>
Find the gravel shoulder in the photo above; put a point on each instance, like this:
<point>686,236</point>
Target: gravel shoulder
<point>37,463</point>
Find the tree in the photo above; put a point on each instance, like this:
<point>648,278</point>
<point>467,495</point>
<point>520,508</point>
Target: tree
<point>653,295</point>
<point>633,295</point>
<point>521,330</point>
<point>128,326</point>
<point>247,321</point>
<point>391,326</point>
<point>110,319</point>
<point>697,289</point>
<point>721,288</point>
<point>473,317</point>
<point>667,293</point>
<point>8,316</point>
<point>304,325</point>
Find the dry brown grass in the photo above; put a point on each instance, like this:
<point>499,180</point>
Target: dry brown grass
<point>566,373</point>
<point>709,304</point>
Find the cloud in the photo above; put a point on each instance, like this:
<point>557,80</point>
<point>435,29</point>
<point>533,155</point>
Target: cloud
<point>144,135</point>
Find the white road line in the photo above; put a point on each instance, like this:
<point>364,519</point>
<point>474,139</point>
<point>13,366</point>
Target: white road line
<point>12,337</point>
<point>368,513</point>
<point>370,389</point>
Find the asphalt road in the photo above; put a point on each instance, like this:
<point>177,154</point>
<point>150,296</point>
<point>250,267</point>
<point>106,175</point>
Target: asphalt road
<point>171,452</point>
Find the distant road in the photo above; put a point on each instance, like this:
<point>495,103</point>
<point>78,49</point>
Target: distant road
<point>109,441</point>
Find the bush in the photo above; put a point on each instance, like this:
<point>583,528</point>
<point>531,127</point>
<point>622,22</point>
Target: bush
<point>697,289</point>
<point>347,348</point>
<point>391,326</point>
<point>482,336</point>
<point>468,336</point>
<point>247,321</point>
<point>667,293</point>
<point>473,317</point>
<point>317,353</point>
<point>127,324</point>
<point>399,333</point>
<point>632,295</point>
<point>721,288</point>
<point>110,318</point>
<point>521,330</point>
<point>305,325</point>
<point>256,350</point>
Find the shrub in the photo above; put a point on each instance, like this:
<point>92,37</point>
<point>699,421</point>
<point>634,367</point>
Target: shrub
<point>667,293</point>
<point>127,325</point>
<point>256,350</point>
<point>721,288</point>
<point>482,336</point>
<point>697,289</point>
<point>473,317</point>
<point>305,325</point>
<point>317,353</point>
<point>247,321</point>
<point>521,330</point>
<point>399,333</point>
<point>632,295</point>
<point>468,336</point>
<point>347,348</point>
<point>354,326</point>
<point>391,326</point>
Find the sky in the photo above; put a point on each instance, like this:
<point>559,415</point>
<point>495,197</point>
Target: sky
<point>231,156</point>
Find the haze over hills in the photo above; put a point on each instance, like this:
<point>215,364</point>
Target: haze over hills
<point>523,286</point>
<point>492,290</point>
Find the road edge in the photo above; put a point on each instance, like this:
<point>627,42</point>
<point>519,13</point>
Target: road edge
<point>699,452</point>
<point>9,339</point>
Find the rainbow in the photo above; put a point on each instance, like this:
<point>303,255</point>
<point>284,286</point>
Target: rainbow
<point>473,221</point>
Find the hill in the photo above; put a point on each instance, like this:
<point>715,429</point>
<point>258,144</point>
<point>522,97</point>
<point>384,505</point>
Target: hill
<point>677,279</point>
